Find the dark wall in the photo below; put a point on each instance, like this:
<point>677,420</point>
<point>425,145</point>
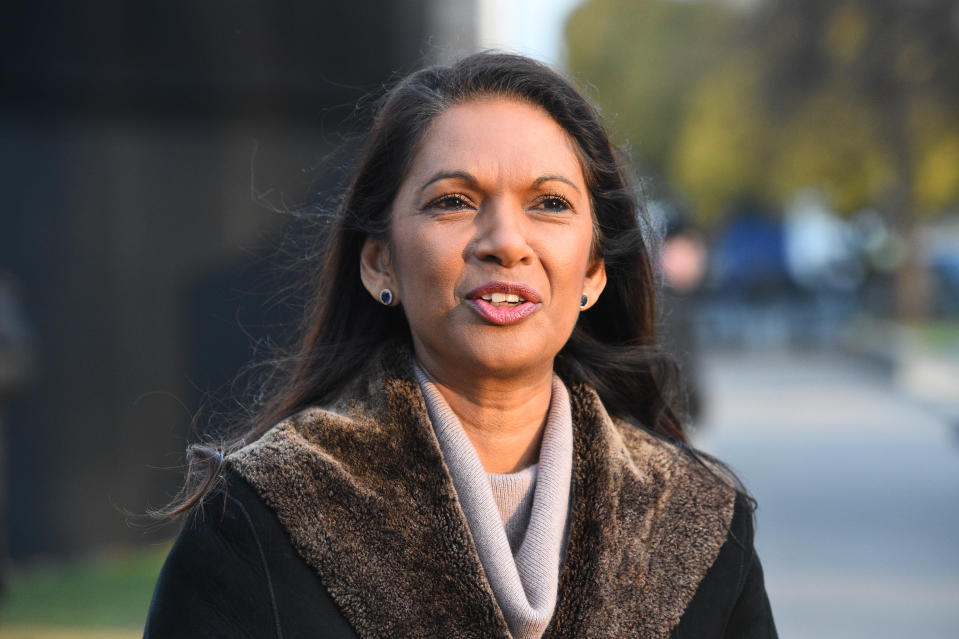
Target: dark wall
<point>188,58</point>
<point>139,144</point>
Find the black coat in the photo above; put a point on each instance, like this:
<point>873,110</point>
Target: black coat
<point>343,522</point>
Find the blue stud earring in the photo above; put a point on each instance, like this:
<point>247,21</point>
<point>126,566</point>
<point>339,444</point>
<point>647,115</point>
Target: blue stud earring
<point>583,301</point>
<point>386,296</point>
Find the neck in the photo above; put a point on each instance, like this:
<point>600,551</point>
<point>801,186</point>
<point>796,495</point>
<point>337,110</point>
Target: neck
<point>503,417</point>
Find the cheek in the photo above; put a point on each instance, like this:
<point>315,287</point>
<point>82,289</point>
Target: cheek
<point>569,266</point>
<point>424,269</point>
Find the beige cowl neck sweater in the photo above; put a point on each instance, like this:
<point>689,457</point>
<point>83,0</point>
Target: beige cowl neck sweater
<point>524,578</point>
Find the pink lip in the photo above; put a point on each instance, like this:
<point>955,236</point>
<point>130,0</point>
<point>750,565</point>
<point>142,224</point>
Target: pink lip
<point>504,315</point>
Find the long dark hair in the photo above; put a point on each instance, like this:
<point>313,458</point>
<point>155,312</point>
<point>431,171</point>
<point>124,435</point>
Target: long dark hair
<point>613,346</point>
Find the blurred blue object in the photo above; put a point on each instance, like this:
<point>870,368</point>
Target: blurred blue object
<point>750,255</point>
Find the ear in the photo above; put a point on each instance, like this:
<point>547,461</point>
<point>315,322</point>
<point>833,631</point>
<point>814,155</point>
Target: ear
<point>376,271</point>
<point>595,282</point>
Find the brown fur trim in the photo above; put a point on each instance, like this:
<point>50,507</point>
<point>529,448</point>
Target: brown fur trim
<point>368,502</point>
<point>648,522</point>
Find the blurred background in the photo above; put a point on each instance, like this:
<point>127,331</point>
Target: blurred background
<point>801,163</point>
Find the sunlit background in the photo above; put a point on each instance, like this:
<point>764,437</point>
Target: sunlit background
<point>800,159</point>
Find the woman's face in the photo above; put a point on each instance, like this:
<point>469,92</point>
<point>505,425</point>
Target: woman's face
<point>491,241</point>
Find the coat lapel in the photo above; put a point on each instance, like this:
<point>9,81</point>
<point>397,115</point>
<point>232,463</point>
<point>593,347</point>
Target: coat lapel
<point>647,523</point>
<point>368,502</point>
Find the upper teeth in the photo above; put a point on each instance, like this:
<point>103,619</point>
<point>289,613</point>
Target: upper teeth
<point>499,298</point>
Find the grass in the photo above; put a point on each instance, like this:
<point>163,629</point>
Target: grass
<point>938,335</point>
<point>43,632</point>
<point>103,596</point>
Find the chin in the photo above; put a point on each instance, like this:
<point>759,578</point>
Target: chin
<point>505,357</point>
<point>491,350</point>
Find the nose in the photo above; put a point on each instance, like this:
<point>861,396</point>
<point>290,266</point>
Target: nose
<point>501,233</point>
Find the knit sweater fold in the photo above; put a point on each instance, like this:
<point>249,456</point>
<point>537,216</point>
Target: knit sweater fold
<point>524,577</point>
<point>513,493</point>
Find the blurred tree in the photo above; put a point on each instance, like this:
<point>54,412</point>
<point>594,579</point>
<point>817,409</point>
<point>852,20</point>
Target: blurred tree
<point>723,142</point>
<point>643,59</point>
<point>865,92</point>
<point>857,97</point>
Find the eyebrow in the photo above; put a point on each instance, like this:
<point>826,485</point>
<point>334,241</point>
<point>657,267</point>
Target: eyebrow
<point>470,179</point>
<point>446,175</point>
<point>558,178</point>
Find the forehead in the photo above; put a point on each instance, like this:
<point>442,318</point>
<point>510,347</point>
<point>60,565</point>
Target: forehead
<point>501,137</point>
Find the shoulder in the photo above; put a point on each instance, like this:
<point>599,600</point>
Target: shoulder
<point>680,462</point>
<point>228,524</point>
<point>370,413</point>
<point>731,600</point>
<point>215,569</point>
<point>646,451</point>
<point>666,511</point>
<point>670,482</point>
<point>232,572</point>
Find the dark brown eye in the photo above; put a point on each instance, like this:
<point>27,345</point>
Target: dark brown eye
<point>554,203</point>
<point>451,202</point>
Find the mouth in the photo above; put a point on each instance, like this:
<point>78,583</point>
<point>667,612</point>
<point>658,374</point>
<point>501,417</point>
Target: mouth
<point>503,299</point>
<point>504,303</point>
<point>500,293</point>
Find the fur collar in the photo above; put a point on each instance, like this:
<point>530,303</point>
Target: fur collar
<point>362,489</point>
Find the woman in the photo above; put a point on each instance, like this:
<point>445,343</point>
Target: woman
<point>475,440</point>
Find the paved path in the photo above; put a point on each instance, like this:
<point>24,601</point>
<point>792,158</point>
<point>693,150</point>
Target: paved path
<point>858,487</point>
